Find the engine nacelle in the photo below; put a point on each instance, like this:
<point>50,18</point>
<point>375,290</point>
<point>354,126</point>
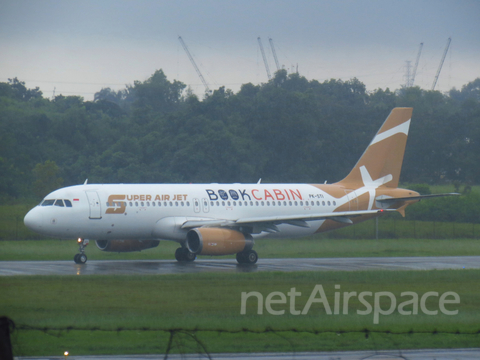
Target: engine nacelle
<point>126,245</point>
<point>216,241</point>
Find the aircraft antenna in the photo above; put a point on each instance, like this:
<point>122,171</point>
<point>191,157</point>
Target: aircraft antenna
<point>416,64</point>
<point>264,58</point>
<point>274,53</point>
<point>441,63</point>
<point>207,89</point>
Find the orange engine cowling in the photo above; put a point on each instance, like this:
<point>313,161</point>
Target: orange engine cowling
<point>126,245</point>
<point>216,241</point>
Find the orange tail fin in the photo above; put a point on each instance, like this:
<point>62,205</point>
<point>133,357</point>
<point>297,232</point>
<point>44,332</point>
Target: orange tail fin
<point>381,162</point>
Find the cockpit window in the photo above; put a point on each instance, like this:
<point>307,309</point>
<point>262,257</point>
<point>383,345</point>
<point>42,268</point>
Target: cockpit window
<point>59,203</point>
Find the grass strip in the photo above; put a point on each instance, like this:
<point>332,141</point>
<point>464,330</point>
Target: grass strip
<point>129,314</point>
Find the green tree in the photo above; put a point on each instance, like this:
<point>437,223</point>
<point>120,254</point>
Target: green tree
<point>46,178</point>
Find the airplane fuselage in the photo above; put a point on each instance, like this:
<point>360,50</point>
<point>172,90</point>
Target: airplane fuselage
<point>157,211</point>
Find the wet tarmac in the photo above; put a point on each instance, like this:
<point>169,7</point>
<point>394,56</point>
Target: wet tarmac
<point>437,354</point>
<point>163,267</point>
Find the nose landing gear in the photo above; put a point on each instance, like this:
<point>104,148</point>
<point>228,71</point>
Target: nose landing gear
<point>81,258</point>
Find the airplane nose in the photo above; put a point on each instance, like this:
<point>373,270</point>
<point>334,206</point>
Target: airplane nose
<point>33,220</point>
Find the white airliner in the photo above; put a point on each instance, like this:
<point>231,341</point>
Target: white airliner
<point>222,219</point>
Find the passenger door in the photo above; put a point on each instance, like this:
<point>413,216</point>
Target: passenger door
<point>94,203</point>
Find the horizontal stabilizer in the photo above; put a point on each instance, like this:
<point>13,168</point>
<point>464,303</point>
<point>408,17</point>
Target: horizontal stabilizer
<point>391,200</point>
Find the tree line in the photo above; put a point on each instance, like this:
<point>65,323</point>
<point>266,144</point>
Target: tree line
<point>289,129</point>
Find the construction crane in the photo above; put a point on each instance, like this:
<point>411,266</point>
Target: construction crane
<point>441,63</point>
<point>264,58</point>
<point>207,89</point>
<point>274,53</point>
<point>416,64</point>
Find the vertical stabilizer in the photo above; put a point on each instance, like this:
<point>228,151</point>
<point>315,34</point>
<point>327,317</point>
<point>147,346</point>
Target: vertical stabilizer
<point>381,162</point>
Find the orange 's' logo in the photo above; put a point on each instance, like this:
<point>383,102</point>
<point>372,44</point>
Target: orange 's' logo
<point>116,206</point>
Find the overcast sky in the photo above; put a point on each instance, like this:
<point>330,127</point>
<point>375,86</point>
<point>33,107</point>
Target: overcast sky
<point>79,47</point>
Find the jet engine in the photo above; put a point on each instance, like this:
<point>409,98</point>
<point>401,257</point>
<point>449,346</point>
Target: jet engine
<point>216,241</point>
<point>126,245</point>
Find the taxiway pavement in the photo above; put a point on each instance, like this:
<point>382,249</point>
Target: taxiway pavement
<point>162,267</point>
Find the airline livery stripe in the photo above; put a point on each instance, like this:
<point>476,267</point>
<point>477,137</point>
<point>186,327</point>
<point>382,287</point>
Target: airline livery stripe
<point>402,128</point>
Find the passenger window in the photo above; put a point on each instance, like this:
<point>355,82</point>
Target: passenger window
<point>59,203</point>
<point>301,203</point>
<point>296,203</point>
<point>268,203</point>
<point>148,203</point>
<point>136,203</point>
<point>328,203</point>
<point>334,203</point>
<point>323,203</point>
<point>48,202</point>
<point>68,203</point>
<point>153,203</point>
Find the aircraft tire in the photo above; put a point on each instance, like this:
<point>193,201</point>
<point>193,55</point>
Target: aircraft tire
<point>241,258</point>
<point>251,257</point>
<point>189,256</point>
<point>248,257</point>
<point>75,258</point>
<point>82,258</point>
<point>179,254</point>
<point>182,254</point>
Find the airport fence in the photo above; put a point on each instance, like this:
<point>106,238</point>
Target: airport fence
<point>189,341</point>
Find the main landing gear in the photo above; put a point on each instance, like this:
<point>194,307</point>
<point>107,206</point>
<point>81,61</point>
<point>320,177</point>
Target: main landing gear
<point>247,257</point>
<point>183,254</point>
<point>81,258</point>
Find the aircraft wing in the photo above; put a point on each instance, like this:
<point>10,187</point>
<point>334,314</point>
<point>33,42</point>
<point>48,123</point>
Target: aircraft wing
<point>269,222</point>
